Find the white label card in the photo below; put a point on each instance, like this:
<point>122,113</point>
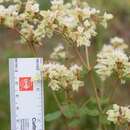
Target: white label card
<point>26,94</point>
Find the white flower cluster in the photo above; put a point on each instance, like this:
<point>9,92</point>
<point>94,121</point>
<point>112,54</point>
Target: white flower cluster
<point>32,7</point>
<point>27,30</point>
<point>112,58</point>
<point>8,15</point>
<point>77,22</point>
<point>58,53</point>
<point>61,77</point>
<point>9,11</point>
<point>118,42</point>
<point>119,114</point>
<point>18,12</point>
<point>106,18</point>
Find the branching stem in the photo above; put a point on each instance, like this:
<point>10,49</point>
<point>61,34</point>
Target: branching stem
<point>30,45</point>
<point>93,81</point>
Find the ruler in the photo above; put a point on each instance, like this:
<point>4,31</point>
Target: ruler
<point>26,94</point>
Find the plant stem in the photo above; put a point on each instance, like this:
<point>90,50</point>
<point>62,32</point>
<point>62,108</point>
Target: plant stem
<point>57,101</point>
<point>79,55</point>
<point>102,89</point>
<point>93,81</point>
<point>85,103</point>
<point>67,40</point>
<point>87,58</point>
<point>128,126</point>
<point>94,86</point>
<point>114,90</point>
<point>95,91</point>
<point>30,45</point>
<point>60,108</point>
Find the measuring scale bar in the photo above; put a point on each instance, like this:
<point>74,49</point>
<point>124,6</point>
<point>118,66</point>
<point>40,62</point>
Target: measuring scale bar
<point>26,94</point>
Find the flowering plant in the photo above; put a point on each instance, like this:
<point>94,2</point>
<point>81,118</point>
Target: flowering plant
<point>77,23</point>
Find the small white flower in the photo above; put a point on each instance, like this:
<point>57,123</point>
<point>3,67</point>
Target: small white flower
<point>118,42</point>
<point>90,11</point>
<point>76,69</point>
<point>2,10</point>
<point>119,114</point>
<point>57,2</point>
<point>31,6</point>
<point>58,53</point>
<point>87,23</point>
<point>112,59</point>
<point>76,84</point>
<point>68,21</point>
<point>35,7</point>
<point>26,30</point>
<point>106,18</point>
<point>93,11</point>
<point>12,10</point>
<point>54,85</point>
<point>61,77</point>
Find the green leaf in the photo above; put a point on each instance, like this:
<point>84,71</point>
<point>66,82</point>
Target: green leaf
<point>104,100</point>
<point>52,116</point>
<point>127,78</point>
<point>103,120</point>
<point>93,103</point>
<point>92,112</point>
<point>74,123</point>
<point>87,111</point>
<point>70,110</point>
<point>82,111</point>
<point>84,72</point>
